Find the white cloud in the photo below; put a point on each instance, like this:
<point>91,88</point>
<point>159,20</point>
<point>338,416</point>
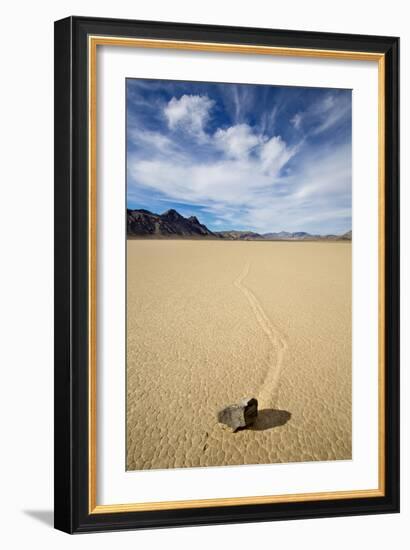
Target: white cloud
<point>236,141</point>
<point>189,112</point>
<point>274,154</point>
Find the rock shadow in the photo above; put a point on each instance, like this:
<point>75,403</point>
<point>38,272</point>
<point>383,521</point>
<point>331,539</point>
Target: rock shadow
<point>270,418</point>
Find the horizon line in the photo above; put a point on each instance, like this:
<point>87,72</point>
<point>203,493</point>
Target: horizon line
<point>237,230</point>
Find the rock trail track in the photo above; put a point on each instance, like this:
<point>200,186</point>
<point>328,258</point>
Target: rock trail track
<point>278,343</point>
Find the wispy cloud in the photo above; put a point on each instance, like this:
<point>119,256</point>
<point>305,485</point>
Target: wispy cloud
<point>325,113</point>
<point>296,120</point>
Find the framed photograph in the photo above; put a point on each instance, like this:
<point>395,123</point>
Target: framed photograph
<point>226,274</point>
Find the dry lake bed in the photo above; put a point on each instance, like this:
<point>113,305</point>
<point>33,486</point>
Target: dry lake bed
<point>210,322</point>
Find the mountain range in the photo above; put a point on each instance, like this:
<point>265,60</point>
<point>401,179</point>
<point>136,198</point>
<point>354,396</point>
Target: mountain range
<point>170,224</point>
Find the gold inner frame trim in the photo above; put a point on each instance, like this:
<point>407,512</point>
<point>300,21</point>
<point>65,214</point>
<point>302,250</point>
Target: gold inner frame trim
<point>93,42</point>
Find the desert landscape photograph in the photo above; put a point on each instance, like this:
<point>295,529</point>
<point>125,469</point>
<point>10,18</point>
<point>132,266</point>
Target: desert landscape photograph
<point>239,274</point>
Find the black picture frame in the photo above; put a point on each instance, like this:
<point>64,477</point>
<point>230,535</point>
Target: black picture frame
<point>72,466</point>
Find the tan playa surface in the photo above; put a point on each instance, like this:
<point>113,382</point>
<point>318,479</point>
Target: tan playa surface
<point>210,322</point>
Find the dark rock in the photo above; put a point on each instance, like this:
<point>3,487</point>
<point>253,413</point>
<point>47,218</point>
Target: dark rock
<point>239,415</point>
<point>143,223</point>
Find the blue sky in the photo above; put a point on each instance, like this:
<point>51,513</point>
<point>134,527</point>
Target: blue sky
<point>240,156</point>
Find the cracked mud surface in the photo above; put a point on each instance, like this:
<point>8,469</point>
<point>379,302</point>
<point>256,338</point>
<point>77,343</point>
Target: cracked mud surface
<point>210,322</point>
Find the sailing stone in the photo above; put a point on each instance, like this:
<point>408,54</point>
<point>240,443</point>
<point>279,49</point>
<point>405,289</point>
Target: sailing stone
<point>239,415</point>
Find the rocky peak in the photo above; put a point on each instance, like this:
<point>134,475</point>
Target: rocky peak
<point>171,214</point>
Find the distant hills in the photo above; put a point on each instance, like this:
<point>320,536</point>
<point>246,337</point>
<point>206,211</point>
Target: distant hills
<point>346,236</point>
<point>143,223</point>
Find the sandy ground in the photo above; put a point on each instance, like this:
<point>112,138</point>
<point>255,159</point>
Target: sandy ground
<point>210,322</point>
